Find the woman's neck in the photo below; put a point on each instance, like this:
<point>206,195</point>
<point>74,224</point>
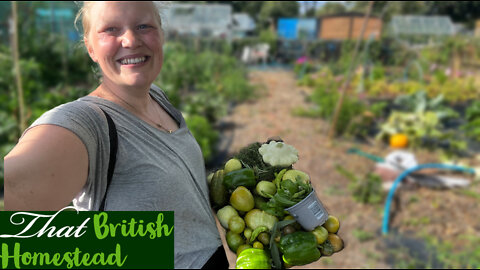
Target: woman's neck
<point>131,97</point>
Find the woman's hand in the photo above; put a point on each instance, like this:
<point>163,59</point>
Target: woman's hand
<point>45,170</point>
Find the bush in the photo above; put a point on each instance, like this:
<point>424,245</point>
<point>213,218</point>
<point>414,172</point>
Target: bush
<point>204,133</point>
<point>203,85</point>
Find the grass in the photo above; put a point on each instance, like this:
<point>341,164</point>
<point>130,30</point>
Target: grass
<point>417,221</point>
<point>1,205</point>
<point>469,193</point>
<point>362,235</point>
<point>431,252</point>
<point>453,256</point>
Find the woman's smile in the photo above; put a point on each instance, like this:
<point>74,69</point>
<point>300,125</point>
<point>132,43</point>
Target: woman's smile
<point>133,61</point>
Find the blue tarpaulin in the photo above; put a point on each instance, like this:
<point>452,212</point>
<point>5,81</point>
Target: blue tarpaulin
<point>295,28</point>
<point>287,28</point>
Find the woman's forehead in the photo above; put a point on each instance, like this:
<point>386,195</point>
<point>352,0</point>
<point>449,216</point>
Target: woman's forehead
<point>122,10</point>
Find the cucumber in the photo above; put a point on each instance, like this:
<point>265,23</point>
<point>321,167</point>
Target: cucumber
<point>218,192</point>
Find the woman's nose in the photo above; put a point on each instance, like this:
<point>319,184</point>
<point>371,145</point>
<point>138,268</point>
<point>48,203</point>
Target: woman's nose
<point>130,39</point>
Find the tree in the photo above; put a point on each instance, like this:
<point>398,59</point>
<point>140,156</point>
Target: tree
<point>272,10</point>
<point>330,8</point>
<point>386,9</point>
<point>250,7</point>
<point>459,11</point>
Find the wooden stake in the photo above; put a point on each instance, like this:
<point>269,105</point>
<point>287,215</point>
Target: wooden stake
<point>345,85</point>
<point>16,62</point>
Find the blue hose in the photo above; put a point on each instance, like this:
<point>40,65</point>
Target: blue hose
<point>404,174</point>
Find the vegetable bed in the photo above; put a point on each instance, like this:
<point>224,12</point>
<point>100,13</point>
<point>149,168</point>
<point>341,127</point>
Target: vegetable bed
<point>251,194</point>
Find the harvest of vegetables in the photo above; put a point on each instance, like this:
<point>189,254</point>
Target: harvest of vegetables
<point>252,195</point>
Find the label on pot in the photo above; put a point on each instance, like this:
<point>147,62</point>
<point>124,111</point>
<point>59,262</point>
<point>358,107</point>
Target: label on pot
<point>318,211</point>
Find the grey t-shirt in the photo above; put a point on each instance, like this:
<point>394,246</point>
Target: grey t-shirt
<point>154,171</point>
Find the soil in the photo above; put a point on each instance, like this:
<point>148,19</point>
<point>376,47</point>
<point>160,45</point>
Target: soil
<point>416,212</point>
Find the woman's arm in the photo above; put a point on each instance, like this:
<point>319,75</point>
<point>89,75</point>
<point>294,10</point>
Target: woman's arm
<point>45,171</point>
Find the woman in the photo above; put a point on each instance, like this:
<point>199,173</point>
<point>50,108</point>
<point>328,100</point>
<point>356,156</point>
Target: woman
<point>64,155</point>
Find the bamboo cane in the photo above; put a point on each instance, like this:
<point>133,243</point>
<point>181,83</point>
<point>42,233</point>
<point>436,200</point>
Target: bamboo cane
<point>331,131</point>
<point>16,62</point>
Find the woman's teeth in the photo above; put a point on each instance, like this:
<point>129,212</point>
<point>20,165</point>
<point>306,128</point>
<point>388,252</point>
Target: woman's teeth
<point>131,61</point>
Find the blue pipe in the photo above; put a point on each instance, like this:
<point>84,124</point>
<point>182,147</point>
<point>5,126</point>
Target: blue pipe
<point>403,175</point>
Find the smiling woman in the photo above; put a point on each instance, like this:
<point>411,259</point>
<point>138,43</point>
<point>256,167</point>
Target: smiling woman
<point>67,154</point>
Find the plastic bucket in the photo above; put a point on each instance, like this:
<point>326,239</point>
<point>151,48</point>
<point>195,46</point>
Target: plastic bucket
<point>309,212</point>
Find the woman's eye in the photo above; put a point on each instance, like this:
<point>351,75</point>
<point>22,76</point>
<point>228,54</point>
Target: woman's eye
<point>143,26</point>
<point>110,29</point>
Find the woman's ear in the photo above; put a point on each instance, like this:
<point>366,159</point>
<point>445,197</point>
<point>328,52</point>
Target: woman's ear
<point>90,50</point>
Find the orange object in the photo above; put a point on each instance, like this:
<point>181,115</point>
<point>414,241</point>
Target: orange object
<point>398,141</point>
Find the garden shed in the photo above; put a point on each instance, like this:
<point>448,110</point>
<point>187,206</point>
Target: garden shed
<point>348,26</point>
<point>243,25</point>
<point>206,21</point>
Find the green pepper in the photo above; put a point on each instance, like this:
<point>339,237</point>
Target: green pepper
<point>243,177</point>
<point>299,248</point>
<point>253,258</point>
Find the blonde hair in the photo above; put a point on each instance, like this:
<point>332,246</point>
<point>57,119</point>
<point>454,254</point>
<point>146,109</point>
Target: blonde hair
<point>83,14</point>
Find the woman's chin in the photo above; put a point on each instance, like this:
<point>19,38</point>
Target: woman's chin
<point>136,82</point>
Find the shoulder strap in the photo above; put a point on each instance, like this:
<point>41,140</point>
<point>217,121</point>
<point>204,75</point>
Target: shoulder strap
<point>112,133</point>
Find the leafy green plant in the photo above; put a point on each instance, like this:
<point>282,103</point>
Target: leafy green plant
<point>204,133</point>
<point>472,117</point>
<point>367,189</point>
<point>204,84</point>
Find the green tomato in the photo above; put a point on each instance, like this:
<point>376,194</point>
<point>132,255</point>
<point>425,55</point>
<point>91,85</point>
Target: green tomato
<point>232,165</point>
<point>257,244</point>
<point>336,241</point>
<point>234,240</point>
<point>321,234</point>
<point>242,199</point>
<point>332,224</point>
<point>264,238</point>
<point>225,214</point>
<point>266,188</point>
<point>242,248</point>
<point>236,224</point>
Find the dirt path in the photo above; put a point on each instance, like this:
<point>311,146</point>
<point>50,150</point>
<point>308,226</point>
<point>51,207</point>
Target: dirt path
<point>270,116</point>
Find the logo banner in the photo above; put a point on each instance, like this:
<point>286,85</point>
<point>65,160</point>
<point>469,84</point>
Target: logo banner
<point>86,239</point>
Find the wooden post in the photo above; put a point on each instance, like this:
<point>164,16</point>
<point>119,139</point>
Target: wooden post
<point>16,63</point>
<point>456,63</point>
<point>331,131</point>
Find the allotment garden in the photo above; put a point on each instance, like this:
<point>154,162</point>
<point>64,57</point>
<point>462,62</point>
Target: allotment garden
<point>421,102</point>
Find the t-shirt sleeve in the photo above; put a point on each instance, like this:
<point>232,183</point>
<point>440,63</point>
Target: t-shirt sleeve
<point>88,123</point>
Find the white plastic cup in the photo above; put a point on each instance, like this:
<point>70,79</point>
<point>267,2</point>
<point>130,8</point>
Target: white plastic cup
<point>309,212</point>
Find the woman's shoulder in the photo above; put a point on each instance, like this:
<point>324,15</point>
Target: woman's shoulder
<point>81,117</point>
<point>78,110</point>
